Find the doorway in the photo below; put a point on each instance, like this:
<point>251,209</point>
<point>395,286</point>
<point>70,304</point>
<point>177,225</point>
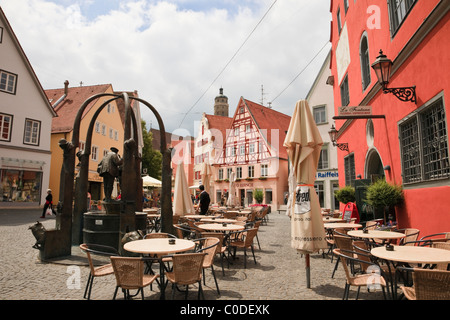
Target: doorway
<point>374,166</point>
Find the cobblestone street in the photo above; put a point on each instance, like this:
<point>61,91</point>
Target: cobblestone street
<point>279,273</point>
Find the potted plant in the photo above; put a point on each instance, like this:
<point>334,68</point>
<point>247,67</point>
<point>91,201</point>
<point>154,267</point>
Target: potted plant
<point>258,195</point>
<point>382,195</point>
<point>345,194</point>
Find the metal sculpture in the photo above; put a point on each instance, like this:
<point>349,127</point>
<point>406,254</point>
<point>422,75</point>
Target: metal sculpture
<point>73,203</point>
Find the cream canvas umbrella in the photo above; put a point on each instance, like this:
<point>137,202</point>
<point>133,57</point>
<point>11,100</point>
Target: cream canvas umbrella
<point>182,201</point>
<point>292,185</point>
<point>206,172</point>
<point>304,143</point>
<point>148,181</point>
<point>231,201</point>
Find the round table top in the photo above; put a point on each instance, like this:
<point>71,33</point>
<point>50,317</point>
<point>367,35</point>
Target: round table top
<point>194,216</point>
<point>413,254</point>
<point>344,225</point>
<point>220,227</point>
<point>218,220</point>
<point>378,234</point>
<point>333,220</point>
<point>159,246</point>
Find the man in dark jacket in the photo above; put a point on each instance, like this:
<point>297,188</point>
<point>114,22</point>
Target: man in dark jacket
<point>204,200</point>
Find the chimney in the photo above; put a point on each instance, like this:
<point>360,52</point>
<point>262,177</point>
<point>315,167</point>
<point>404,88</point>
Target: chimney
<point>66,87</point>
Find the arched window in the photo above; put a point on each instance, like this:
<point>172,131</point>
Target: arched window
<point>365,61</point>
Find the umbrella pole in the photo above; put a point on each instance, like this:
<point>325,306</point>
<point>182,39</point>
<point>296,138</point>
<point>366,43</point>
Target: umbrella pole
<point>308,276</point>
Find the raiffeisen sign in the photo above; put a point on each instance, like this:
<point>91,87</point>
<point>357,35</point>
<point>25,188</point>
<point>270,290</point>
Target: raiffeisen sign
<point>327,174</point>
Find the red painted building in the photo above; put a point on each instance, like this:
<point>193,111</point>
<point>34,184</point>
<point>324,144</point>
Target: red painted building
<point>408,141</point>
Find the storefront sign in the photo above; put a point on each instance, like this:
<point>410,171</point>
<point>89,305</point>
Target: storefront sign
<point>327,174</point>
<point>355,111</point>
<point>243,185</point>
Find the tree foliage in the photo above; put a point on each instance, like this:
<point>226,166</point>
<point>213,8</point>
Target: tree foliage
<point>345,194</point>
<point>151,158</point>
<point>382,194</point>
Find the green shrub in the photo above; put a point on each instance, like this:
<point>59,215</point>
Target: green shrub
<point>381,194</point>
<point>258,195</point>
<point>345,194</point>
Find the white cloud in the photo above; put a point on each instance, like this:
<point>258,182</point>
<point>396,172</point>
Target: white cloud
<point>171,51</point>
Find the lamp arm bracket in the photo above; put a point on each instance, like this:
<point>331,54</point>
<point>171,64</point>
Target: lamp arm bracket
<point>403,93</point>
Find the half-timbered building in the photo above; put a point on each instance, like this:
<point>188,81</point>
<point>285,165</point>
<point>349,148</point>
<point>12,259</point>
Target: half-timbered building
<point>253,151</point>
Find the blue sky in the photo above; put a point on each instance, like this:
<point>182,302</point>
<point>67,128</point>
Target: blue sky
<point>93,8</point>
<point>177,53</point>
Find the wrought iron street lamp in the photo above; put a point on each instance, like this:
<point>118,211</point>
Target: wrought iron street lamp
<point>333,135</point>
<point>382,67</point>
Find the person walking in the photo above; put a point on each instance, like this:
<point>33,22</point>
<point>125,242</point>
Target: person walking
<point>48,203</point>
<point>204,200</point>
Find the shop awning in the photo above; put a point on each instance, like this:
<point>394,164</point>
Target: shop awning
<point>20,164</point>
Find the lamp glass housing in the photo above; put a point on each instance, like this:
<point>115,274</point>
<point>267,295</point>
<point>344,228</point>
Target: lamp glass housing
<point>382,67</point>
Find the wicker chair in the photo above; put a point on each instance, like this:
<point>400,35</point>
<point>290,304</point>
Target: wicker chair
<point>184,231</point>
<point>209,246</point>
<point>187,270</point>
<point>158,235</point>
<point>445,246</point>
<point>243,239</point>
<point>129,272</point>
<point>221,247</point>
<point>358,280</point>
<point>342,242</point>
<point>99,271</point>
<point>429,284</point>
<point>411,235</point>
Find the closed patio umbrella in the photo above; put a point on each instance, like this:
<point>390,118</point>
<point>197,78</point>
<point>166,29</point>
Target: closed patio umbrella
<point>206,172</point>
<point>231,201</point>
<point>304,143</point>
<point>182,201</point>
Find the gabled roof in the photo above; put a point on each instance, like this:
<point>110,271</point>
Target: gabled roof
<point>25,60</point>
<point>221,123</point>
<point>269,119</point>
<point>68,108</point>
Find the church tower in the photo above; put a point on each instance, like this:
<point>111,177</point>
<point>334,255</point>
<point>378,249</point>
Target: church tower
<point>221,104</point>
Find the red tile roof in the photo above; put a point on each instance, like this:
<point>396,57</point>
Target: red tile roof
<point>68,108</point>
<point>221,123</point>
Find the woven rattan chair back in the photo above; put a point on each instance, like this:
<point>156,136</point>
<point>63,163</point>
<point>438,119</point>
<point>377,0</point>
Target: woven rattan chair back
<point>211,246</point>
<point>129,272</point>
<point>187,268</point>
<point>158,235</point>
<point>445,246</point>
<point>431,284</point>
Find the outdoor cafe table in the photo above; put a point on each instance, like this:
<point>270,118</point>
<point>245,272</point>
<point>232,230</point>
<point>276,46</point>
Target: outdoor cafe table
<point>195,216</point>
<point>218,220</point>
<point>386,236</point>
<point>343,225</point>
<point>159,247</point>
<point>220,227</point>
<point>328,219</point>
<point>410,255</point>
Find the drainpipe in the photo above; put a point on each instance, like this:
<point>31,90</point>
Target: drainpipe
<point>66,89</point>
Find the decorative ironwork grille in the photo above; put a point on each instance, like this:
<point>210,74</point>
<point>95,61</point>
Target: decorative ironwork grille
<point>424,145</point>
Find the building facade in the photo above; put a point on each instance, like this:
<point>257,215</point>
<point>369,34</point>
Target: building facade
<point>406,142</point>
<point>25,124</point>
<point>108,131</point>
<point>253,153</point>
<point>321,101</point>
